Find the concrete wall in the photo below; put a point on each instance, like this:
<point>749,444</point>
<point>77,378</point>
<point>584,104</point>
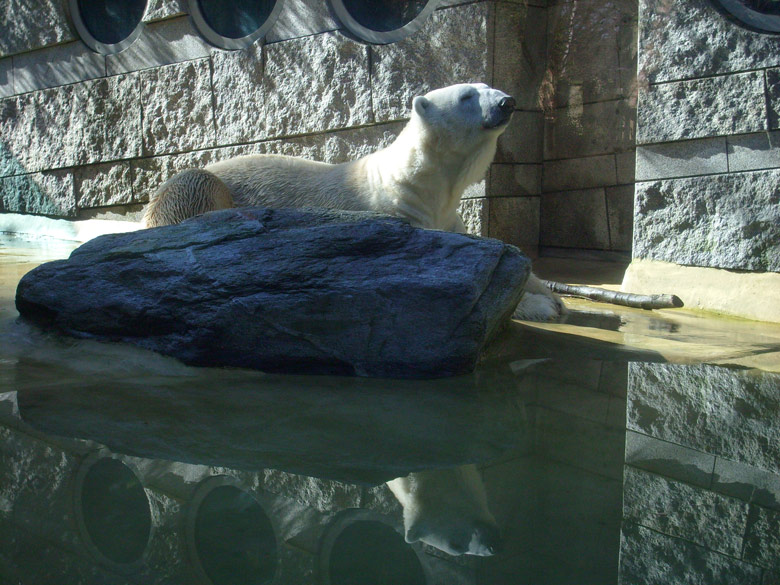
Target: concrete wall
<point>708,145</point>
<point>90,136</point>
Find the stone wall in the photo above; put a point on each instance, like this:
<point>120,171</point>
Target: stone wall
<point>589,99</point>
<point>90,136</point>
<point>708,140</point>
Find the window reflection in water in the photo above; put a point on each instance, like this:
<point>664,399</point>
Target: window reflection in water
<point>384,15</point>
<point>111,21</point>
<point>236,18</point>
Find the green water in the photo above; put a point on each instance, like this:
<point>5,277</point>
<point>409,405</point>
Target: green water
<point>122,466</point>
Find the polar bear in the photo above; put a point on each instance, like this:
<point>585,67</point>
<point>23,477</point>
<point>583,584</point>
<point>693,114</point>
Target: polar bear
<point>447,145</point>
<point>447,509</point>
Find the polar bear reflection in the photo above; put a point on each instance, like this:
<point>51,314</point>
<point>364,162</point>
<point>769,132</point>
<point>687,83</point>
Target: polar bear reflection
<point>447,145</point>
<point>447,509</point>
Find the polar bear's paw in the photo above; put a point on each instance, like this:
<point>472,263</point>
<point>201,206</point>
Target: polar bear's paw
<point>539,307</point>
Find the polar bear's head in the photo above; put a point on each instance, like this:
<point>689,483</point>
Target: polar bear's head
<point>465,114</point>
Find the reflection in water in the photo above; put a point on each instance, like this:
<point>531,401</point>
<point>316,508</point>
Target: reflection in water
<point>114,510</point>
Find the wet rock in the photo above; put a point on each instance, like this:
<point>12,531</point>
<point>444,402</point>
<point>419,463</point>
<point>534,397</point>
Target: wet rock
<point>290,291</point>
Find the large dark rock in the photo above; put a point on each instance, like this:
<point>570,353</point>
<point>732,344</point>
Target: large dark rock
<point>287,291</point>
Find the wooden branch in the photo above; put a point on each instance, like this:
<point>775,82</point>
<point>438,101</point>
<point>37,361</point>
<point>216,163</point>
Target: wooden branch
<point>616,298</point>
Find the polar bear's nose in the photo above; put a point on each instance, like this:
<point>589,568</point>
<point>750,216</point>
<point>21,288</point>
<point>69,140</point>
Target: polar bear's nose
<point>507,104</point>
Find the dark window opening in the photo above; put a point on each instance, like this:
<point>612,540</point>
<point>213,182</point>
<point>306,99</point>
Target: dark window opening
<point>234,24</point>
<point>758,15</point>
<point>108,26</point>
<point>383,21</point>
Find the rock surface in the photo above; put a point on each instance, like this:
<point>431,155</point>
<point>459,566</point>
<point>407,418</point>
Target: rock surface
<point>316,291</point>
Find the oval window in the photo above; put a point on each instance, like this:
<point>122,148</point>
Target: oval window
<point>757,15</point>
<point>108,26</point>
<point>234,24</point>
<point>383,21</point>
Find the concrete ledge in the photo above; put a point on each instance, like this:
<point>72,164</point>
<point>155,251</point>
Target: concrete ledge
<point>750,295</point>
<point>62,229</point>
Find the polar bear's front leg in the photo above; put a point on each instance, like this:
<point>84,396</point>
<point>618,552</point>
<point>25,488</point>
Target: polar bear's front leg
<point>538,302</point>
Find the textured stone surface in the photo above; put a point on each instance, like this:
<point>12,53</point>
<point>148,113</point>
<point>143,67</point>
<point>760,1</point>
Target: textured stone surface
<point>287,291</point>
<point>773,97</point>
<point>521,142</point>
<point>579,173</point>
<point>682,40</point>
<point>72,125</point>
<point>749,152</point>
<point>650,558</point>
<point>28,25</point>
<point>50,193</point>
<point>177,107</point>
<point>718,411</point>
<point>762,540</point>
<point>307,85</point>
<point>6,77</point>
<point>149,173</point>
<point>746,482</point>
<point>714,521</point>
<point>681,159</point>
<point>68,63</point>
<point>474,213</point>
<point>589,129</point>
<point>159,9</point>
<point>620,216</point>
<point>726,221</point>
<point>162,43</point>
<point>575,219</point>
<point>669,459</point>
<point>715,106</point>
<point>396,72</point>
<point>102,185</point>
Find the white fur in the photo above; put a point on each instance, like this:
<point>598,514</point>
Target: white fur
<point>447,509</point>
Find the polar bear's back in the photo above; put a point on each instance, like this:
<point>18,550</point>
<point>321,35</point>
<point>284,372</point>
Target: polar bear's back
<point>284,181</point>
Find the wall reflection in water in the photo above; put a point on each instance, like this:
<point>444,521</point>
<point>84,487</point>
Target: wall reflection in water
<point>225,477</point>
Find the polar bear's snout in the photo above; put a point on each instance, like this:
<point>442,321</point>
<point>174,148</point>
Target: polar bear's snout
<point>501,112</point>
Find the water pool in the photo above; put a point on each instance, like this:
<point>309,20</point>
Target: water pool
<point>620,447</point>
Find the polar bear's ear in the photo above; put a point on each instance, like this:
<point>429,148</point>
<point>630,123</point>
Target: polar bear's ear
<point>420,105</point>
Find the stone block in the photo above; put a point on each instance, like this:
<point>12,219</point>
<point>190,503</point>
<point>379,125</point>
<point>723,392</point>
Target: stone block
<point>515,220</point>
<point>521,142</point>
<point>669,459</point>
<point>6,77</point>
<point>579,173</point>
<point>683,40</point>
<point>520,39</point>
<point>589,129</point>
<point>748,152</point>
<point>177,107</point>
<point>82,123</point>
<point>398,73</point>
<point>613,379</point>
<point>474,213</point>
<point>69,63</point>
<point>681,159</point>
<point>103,185</point>
<point>650,558</point>
<point>307,85</point>
<point>626,166</point>
<point>620,216</point>
<point>762,539</point>
<point>515,179</point>
<point>50,193</point>
<point>773,97</point>
<point>301,18</point>
<point>162,43</point>
<point>721,221</point>
<point>25,25</point>
<point>716,106</point>
<point>720,411</point>
<point>711,520</point>
<point>575,219</point>
<point>160,9</point>
<point>747,483</point>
